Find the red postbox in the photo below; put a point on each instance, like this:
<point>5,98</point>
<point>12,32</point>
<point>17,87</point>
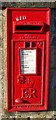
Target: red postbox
<point>28,32</point>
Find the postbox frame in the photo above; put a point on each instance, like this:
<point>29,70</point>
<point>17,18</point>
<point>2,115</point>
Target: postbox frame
<point>16,108</point>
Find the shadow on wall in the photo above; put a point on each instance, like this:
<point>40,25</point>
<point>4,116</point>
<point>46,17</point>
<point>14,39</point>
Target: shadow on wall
<point>52,63</point>
<point>54,70</point>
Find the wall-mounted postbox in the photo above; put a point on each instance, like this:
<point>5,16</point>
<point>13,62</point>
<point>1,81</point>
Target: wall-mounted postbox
<point>28,31</point>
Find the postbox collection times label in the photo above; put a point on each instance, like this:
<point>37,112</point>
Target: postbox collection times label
<point>28,61</point>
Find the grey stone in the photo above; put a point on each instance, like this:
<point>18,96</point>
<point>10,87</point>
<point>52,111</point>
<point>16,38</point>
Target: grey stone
<point>7,119</point>
<point>21,119</point>
<point>33,3</point>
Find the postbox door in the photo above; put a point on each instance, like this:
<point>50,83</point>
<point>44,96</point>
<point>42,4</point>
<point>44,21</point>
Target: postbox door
<point>28,72</point>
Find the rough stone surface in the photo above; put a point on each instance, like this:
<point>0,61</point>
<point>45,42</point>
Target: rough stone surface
<point>30,4</point>
<point>51,113</point>
<point>7,119</point>
<point>0,62</point>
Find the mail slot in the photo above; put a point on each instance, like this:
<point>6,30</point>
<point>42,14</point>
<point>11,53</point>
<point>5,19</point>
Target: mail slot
<point>28,34</point>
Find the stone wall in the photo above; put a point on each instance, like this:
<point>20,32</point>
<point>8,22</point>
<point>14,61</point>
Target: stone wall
<point>51,112</point>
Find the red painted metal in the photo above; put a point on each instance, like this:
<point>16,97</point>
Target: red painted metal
<point>27,26</point>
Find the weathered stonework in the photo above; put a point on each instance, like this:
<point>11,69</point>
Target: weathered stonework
<point>30,4</point>
<point>51,113</point>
